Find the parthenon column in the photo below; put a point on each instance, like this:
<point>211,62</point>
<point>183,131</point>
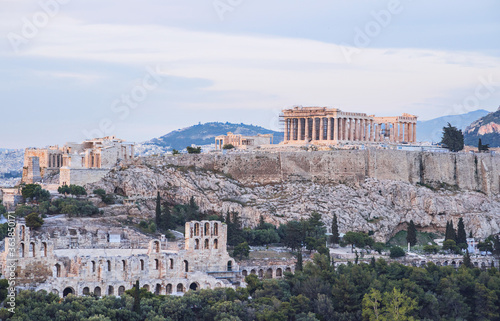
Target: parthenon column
<point>352,129</point>
<point>313,136</point>
<point>400,125</point>
<point>363,129</point>
<point>329,128</point>
<point>341,129</point>
<point>414,132</point>
<point>306,132</point>
<point>292,129</point>
<point>371,130</point>
<point>286,130</point>
<point>335,129</point>
<point>346,128</point>
<point>406,132</point>
<point>299,126</point>
<point>321,128</point>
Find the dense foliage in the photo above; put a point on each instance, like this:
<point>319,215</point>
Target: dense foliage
<point>70,206</point>
<point>453,138</point>
<point>34,192</point>
<point>319,292</point>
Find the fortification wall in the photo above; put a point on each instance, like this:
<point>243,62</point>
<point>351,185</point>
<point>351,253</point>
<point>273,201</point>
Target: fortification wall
<point>475,172</point>
<point>81,176</point>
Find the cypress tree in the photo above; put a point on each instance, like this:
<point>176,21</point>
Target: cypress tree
<point>461,235</point>
<point>261,222</point>
<point>467,261</point>
<point>137,298</point>
<point>335,230</point>
<point>158,210</point>
<point>453,232</point>
<point>166,219</point>
<point>299,266</point>
<point>411,235</point>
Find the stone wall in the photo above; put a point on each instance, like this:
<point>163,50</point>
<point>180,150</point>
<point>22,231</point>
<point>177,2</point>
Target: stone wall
<point>81,176</point>
<point>473,172</point>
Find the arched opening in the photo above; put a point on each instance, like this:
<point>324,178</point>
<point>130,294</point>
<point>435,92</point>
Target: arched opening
<point>244,273</point>
<point>55,291</point>
<point>196,244</point>
<point>142,265</point>
<point>216,229</point>
<point>207,229</point>
<point>253,271</point>
<point>422,263</point>
<point>289,270</point>
<point>32,249</point>
<point>197,229</point>
<point>86,291</point>
<point>483,265</point>
<point>180,287</point>
<point>171,264</point>
<point>476,264</point>
<point>169,288</point>
<point>460,263</point>
<point>157,264</point>
<point>453,264</point>
<point>97,291</point>
<point>146,286</point>
<point>229,265</point>
<point>158,289</point>
<point>269,273</point>
<point>216,244</point>
<point>207,244</point>
<point>93,266</point>
<point>279,272</point>
<point>111,290</point>
<point>121,290</point>
<point>21,250</point>
<point>445,263</point>
<point>157,247</point>
<point>261,273</point>
<point>68,291</point>
<point>124,265</point>
<point>109,265</point>
<point>44,249</point>
<point>58,270</point>
<point>186,266</point>
<point>193,286</point>
<point>218,285</point>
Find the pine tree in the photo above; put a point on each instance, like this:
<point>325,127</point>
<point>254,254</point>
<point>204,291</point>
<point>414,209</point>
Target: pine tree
<point>461,235</point>
<point>299,266</point>
<point>411,235</point>
<point>335,230</point>
<point>158,210</point>
<point>453,138</point>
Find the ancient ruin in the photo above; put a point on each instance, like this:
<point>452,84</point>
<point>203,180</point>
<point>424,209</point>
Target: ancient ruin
<point>76,163</point>
<point>241,141</point>
<point>330,126</point>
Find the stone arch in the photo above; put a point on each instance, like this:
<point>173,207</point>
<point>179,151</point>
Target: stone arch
<point>216,229</point>
<point>216,244</point>
<point>22,233</point>
<point>57,272</point>
<point>438,263</point>
<point>32,249</point>
<point>207,229</point>
<point>218,285</point>
<point>108,265</point>
<point>460,263</point>
<point>121,290</point>
<point>422,263</point>
<point>261,273</point>
<point>269,273</point>
<point>445,263</point>
<point>43,250</point>
<point>196,244</point>
<point>253,271</point>
<point>180,287</point>
<point>111,290</point>
<point>21,250</point>
<point>146,286</point>
<point>244,273</point>
<point>186,266</point>
<point>476,264</point>
<point>454,264</point>
<point>288,269</point>
<point>279,272</point>
<point>483,265</point>
<point>67,291</point>
<point>55,291</point>
<point>169,288</point>
<point>142,264</point>
<point>97,291</point>
<point>229,265</point>
<point>194,286</point>
<point>196,229</point>
<point>86,291</point>
<point>171,264</point>
<point>158,289</point>
<point>207,244</point>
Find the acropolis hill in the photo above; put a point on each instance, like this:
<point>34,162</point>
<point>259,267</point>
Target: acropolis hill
<point>369,190</point>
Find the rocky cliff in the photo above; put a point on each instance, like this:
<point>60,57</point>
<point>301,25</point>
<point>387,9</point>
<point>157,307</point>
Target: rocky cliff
<point>486,128</point>
<point>366,204</point>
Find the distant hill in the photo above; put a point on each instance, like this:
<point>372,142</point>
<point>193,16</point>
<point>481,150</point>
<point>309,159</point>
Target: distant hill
<point>487,128</point>
<point>202,134</point>
<point>432,130</point>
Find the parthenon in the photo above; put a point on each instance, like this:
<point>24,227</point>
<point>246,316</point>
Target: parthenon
<point>322,125</point>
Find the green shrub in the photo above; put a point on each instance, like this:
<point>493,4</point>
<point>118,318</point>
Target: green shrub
<point>397,251</point>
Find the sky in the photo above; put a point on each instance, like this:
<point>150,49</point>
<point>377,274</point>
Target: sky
<point>72,70</point>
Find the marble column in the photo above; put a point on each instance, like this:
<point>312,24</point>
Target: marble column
<point>321,127</point>
<point>414,132</point>
<point>329,129</point>
<point>335,129</point>
<point>286,130</point>
<point>313,136</point>
<point>299,132</point>
<point>341,128</point>
<point>306,132</point>
<point>400,125</point>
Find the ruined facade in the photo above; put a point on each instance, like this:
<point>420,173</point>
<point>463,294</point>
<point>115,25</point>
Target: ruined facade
<point>110,262</point>
<point>241,141</point>
<point>76,163</point>
<point>322,125</point>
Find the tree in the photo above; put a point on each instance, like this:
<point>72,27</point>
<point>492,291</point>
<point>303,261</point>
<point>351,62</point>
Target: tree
<point>241,251</point>
<point>396,252</point>
<point>411,235</point>
<point>299,265</point>
<point>461,235</point>
<point>450,245</point>
<point>453,138</point>
<point>77,190</point>
<point>450,233</point>
<point>193,150</point>
<point>467,260</point>
<point>158,210</point>
<point>64,190</point>
<point>175,152</point>
<point>35,192</point>
<point>398,306</point>
<point>3,210</point>
<point>228,146</point>
<point>293,235</point>
<point>496,245</point>
<point>137,298</point>
<point>482,148</point>
<point>372,305</point>
<point>33,220</point>
<point>358,239</point>
<point>335,239</point>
